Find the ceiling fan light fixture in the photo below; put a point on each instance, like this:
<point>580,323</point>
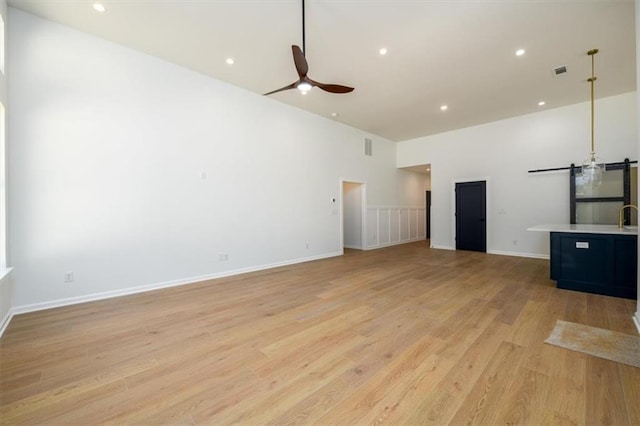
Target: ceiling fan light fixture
<point>304,87</point>
<point>304,83</point>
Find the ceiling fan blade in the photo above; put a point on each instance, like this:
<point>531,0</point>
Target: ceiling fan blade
<point>301,62</point>
<point>291,86</point>
<point>332,88</point>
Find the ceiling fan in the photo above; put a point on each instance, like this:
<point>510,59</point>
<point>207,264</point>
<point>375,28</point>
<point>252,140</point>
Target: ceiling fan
<point>304,83</point>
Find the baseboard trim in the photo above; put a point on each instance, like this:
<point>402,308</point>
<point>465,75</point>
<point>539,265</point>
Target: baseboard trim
<point>157,286</point>
<point>519,254</point>
<point>395,243</point>
<point>437,247</point>
<point>7,290</point>
<point>636,321</point>
<point>5,321</point>
<point>348,246</point>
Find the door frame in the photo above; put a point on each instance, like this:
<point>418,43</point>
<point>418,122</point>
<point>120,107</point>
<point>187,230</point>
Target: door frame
<point>427,214</point>
<point>487,207</point>
<point>363,212</point>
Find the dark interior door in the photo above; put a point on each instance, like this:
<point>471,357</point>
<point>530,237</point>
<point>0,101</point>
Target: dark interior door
<point>471,216</point>
<point>428,214</point>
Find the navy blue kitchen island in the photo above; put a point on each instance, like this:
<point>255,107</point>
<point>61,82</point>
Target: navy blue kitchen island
<point>599,259</point>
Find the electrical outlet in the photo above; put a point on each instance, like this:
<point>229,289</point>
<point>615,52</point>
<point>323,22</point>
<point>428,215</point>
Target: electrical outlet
<point>68,277</point>
<point>223,257</point>
<point>306,246</point>
<point>515,242</point>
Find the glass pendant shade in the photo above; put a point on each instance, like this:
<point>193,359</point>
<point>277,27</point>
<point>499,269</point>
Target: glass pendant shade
<point>593,169</point>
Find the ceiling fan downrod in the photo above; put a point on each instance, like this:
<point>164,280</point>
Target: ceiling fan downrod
<point>304,47</point>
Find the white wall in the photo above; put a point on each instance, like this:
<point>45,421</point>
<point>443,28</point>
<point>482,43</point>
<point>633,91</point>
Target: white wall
<point>6,286</point>
<point>133,172</point>
<point>352,209</point>
<point>504,151</point>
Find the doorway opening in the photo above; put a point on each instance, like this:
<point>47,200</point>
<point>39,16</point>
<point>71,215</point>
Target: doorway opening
<point>353,208</point>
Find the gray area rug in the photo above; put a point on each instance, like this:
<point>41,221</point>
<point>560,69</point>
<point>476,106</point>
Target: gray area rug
<point>607,344</point>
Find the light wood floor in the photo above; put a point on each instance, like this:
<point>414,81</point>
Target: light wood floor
<point>403,335</point>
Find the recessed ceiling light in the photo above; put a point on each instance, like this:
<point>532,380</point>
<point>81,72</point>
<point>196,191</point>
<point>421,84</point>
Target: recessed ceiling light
<point>428,170</point>
<point>444,108</point>
<point>99,7</point>
<point>541,103</point>
<point>519,52</point>
<point>383,51</point>
<point>334,114</point>
<point>230,61</point>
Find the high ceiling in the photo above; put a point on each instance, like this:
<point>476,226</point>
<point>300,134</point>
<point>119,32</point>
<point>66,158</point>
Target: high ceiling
<point>455,53</point>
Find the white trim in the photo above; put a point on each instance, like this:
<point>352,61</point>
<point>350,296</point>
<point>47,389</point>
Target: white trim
<point>400,206</point>
<point>518,254</point>
<point>636,321</point>
<point>377,241</point>
<point>157,286</point>
<point>5,321</point>
<point>414,216</point>
<point>396,243</point>
<point>4,281</point>
<point>433,246</point>
<point>363,213</point>
<point>4,272</point>
<point>349,246</point>
<point>487,206</point>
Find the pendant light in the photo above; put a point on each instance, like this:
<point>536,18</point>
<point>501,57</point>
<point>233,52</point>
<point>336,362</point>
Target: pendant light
<point>593,167</point>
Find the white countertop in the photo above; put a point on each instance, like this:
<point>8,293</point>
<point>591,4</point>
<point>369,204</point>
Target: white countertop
<point>585,229</point>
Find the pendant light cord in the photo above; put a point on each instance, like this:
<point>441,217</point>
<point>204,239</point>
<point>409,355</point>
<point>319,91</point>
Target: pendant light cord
<point>592,80</point>
<point>304,48</point>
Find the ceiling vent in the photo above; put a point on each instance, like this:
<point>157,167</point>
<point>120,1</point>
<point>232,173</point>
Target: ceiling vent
<point>557,71</point>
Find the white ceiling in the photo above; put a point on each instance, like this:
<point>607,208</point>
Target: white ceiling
<point>459,53</point>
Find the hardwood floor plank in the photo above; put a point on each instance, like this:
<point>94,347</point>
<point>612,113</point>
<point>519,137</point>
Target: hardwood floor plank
<point>367,397</point>
<point>605,402</point>
<point>314,406</point>
<point>630,381</point>
<point>482,404</point>
<point>400,335</point>
<point>526,403</point>
<point>439,407</point>
<point>280,401</point>
<point>403,395</point>
<point>566,401</point>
